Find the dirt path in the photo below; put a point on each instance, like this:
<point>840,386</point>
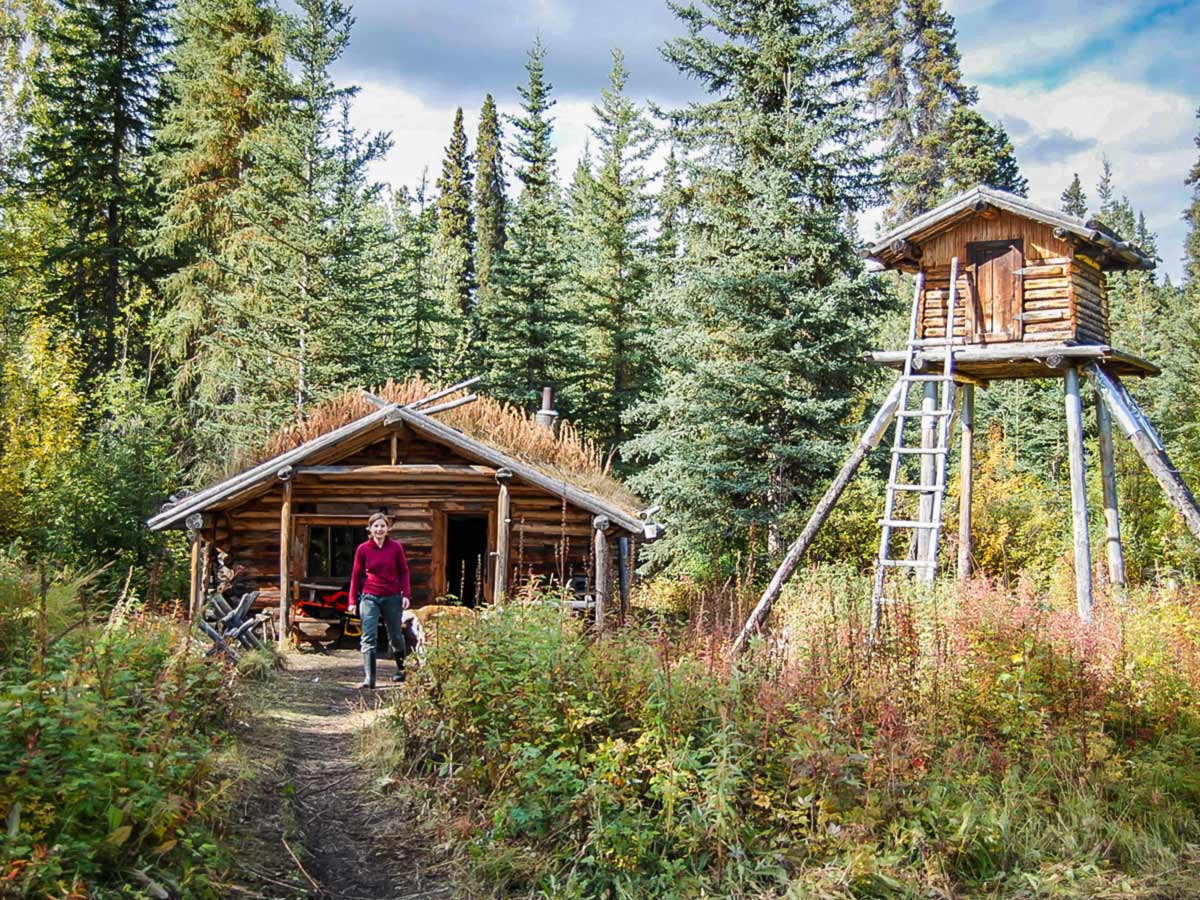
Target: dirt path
<point>311,823</point>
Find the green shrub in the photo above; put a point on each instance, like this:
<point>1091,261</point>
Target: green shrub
<point>990,747</point>
<point>107,781</point>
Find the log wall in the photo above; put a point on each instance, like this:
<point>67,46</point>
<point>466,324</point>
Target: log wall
<point>1064,297</point>
<point>548,538</point>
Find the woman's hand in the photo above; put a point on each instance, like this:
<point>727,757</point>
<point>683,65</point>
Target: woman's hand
<point>406,603</point>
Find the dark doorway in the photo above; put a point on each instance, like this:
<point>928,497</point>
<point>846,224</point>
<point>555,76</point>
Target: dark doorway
<point>466,557</point>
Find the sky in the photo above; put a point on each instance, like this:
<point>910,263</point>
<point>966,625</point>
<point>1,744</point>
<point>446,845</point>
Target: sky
<point>1072,81</point>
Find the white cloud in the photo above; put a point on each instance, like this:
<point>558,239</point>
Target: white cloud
<point>1145,132</point>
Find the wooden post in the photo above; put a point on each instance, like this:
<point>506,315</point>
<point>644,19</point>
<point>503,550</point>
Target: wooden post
<point>1112,519</point>
<point>868,442</point>
<point>1079,511</point>
<point>1149,448</point>
<point>503,515</point>
<point>196,589</point>
<point>285,557</point>
<point>600,546</point>
<point>623,575</point>
<point>966,481</point>
<point>929,471</point>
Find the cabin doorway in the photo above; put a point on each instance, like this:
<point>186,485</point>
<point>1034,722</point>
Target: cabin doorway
<point>467,558</point>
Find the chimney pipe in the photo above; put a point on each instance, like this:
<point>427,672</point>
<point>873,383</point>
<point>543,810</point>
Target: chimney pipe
<point>546,416</point>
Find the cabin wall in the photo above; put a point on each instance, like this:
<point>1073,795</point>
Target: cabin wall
<point>1063,295</point>
<point>547,538</point>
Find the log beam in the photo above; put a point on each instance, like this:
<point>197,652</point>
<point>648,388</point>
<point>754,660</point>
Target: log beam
<point>601,525</point>
<point>868,442</point>
<point>1140,433</point>
<point>1108,477</point>
<point>966,480</point>
<point>503,517</point>
<point>285,560</point>
<point>1079,511</point>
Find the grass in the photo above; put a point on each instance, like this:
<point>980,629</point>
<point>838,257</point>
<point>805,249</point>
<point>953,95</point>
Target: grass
<point>563,453</point>
<point>991,747</point>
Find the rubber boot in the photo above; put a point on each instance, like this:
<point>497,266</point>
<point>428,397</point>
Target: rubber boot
<point>399,657</point>
<point>368,671</point>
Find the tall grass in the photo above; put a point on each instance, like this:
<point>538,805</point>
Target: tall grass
<point>989,747</point>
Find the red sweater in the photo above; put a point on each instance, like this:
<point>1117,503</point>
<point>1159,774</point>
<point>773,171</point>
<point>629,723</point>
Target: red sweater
<point>384,568</point>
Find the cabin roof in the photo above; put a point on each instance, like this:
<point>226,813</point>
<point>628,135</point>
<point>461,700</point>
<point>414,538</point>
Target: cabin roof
<point>363,430</point>
<point>1113,251</point>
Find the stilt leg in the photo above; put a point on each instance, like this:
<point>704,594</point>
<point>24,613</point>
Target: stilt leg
<point>1079,512</point>
<point>966,480</point>
<point>1112,520</point>
<point>868,442</point>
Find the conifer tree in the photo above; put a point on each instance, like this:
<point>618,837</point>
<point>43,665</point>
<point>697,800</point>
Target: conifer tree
<point>1074,199</point>
<point>671,205</point>
<point>98,90</point>
<point>530,342</point>
<point>296,275</point>
<point>454,249</point>
<point>772,308</point>
<point>1192,216</point>
<point>418,328</point>
<point>939,96</point>
<point>612,265</point>
<point>227,82</point>
<point>978,153</point>
<point>489,201</point>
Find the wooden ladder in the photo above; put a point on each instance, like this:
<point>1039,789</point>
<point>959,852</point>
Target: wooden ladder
<point>926,526</point>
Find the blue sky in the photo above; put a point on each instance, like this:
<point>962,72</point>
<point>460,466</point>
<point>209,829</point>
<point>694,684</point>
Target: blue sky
<point>1072,81</point>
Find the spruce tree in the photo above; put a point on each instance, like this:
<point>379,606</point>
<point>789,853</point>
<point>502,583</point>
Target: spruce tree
<point>773,308</point>
<point>227,83</point>
<point>489,201</point>
<point>98,93</point>
<point>1192,216</point>
<point>612,267</point>
<point>671,206</point>
<point>454,249</point>
<point>1074,199</point>
<point>939,96</point>
<point>530,341</point>
<point>978,153</point>
<point>421,329</point>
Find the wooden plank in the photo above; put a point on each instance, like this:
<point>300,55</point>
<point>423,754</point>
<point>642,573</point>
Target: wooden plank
<point>195,586</point>
<point>868,442</point>
<point>437,563</point>
<point>1079,510</point>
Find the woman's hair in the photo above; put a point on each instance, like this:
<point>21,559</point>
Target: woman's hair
<point>376,516</point>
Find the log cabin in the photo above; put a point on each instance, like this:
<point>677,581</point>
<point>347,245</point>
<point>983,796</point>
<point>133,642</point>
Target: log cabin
<point>482,509</point>
<point>1031,285</point>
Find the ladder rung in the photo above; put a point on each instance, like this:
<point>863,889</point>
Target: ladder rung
<point>913,413</point>
<point>927,377</point>
<point>908,523</point>
<point>918,488</point>
<point>903,563</point>
<point>931,342</point>
<point>929,451</point>
<point>883,601</point>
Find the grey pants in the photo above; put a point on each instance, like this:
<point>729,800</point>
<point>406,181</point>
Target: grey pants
<point>391,608</point>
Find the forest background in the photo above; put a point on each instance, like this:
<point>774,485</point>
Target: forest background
<point>192,252</point>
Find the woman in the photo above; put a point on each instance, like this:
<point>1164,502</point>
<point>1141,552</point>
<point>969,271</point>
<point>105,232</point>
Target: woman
<point>380,579</point>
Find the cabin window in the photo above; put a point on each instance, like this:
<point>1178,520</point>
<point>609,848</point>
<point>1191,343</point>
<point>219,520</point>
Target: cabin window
<point>996,277</point>
<point>331,550</point>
